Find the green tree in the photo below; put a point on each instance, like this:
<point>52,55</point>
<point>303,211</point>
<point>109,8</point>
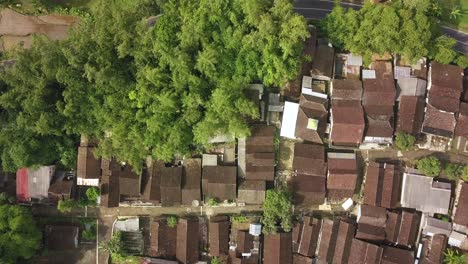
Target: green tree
<point>464,173</point>
<point>404,141</point>
<point>66,206</point>
<point>442,49</point>
<point>172,221</point>
<point>277,209</point>
<point>116,249</point>
<point>462,61</point>
<point>453,171</point>
<point>430,166</point>
<point>453,256</point>
<point>93,194</point>
<point>20,237</point>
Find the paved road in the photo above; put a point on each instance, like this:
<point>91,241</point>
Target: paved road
<point>318,9</point>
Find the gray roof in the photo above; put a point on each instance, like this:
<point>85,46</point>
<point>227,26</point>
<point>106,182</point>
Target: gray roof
<point>411,87</point>
<point>39,181</point>
<point>423,194</point>
<point>354,60</point>
<point>402,72</point>
<point>433,226</point>
<point>368,74</point>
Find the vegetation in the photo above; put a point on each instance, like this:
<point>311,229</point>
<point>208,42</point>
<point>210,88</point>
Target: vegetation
<point>216,260</point>
<point>277,209</point>
<point>116,249</point>
<point>66,206</point>
<point>142,90</point>
<point>213,202</point>
<point>453,171</point>
<point>92,195</point>
<point>408,28</point>
<point>453,256</point>
<point>404,141</point>
<point>172,221</point>
<point>430,166</point>
<point>464,173</point>
<point>20,237</point>
<point>90,231</point>
<point>238,219</point>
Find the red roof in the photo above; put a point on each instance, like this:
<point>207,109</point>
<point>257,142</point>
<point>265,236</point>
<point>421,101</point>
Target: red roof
<point>22,191</point>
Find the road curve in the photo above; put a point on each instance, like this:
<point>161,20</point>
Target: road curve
<point>318,9</point>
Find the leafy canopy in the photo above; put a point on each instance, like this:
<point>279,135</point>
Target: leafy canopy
<point>20,237</point>
<point>453,171</point>
<point>277,209</point>
<point>430,166</point>
<point>404,141</point>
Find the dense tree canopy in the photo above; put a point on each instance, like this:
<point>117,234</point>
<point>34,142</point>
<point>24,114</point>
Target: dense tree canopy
<point>19,236</point>
<point>430,166</point>
<point>400,27</point>
<point>277,210</point>
<point>141,90</point>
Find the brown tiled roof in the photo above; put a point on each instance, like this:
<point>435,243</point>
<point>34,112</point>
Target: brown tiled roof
<point>411,114</point>
<point>88,166</point>
<point>244,242</point>
<point>461,211</point>
<point>110,190</point>
<point>191,181</point>
<point>61,237</point>
<point>252,192</point>
<point>382,185</point>
<point>447,75</point>
<point>373,215</point>
<point>261,139</point>
<point>461,129</point>
<point>392,227</point>
<point>409,228</point>
<point>363,252</point>
<point>380,127</point>
<point>392,255</point>
<point>379,92</point>
<point>260,153</point>
<point>297,235</point>
<point>187,241</point>
<point>438,122</point>
<point>433,249</point>
<point>163,239</point>
<point>278,248</point>
<point>347,123</point>
<point>152,190</point>
<point>446,87</point>
<point>60,190</point>
<point>347,89</point>
<point>299,259</point>
<point>322,64</point>
<point>129,182</point>
<point>309,159</point>
<point>221,182</point>
<point>312,107</point>
<point>219,238</point>
<point>171,179</point>
<point>383,69</point>
<point>327,240</point>
<point>465,89</point>
<point>342,174</point>
<point>343,242</point>
<point>310,233</point>
<point>370,232</point>
<point>266,173</point>
<point>308,189</point>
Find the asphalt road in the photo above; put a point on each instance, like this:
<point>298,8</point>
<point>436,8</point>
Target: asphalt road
<point>318,9</point>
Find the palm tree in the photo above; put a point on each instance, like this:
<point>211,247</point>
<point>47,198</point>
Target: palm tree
<point>455,13</point>
<point>453,257</point>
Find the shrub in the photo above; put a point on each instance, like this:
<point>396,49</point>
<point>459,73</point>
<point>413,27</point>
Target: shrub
<point>404,141</point>
<point>239,219</point>
<point>216,260</point>
<point>277,209</point>
<point>213,202</point>
<point>453,256</point>
<point>172,221</point>
<point>464,173</point>
<point>92,194</point>
<point>453,171</point>
<point>66,206</point>
<point>430,166</point>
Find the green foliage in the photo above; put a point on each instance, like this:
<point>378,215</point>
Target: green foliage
<point>115,248</point>
<point>453,171</point>
<point>213,202</point>
<point>277,209</point>
<point>462,61</point>
<point>464,173</point>
<point>216,260</point>
<point>93,194</point>
<point>66,206</point>
<point>404,141</point>
<point>90,232</point>
<point>20,238</point>
<point>172,221</point>
<point>402,27</point>
<point>238,219</point>
<point>453,256</point>
<point>430,166</point>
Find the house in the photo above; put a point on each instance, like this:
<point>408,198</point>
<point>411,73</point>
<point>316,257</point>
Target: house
<point>432,249</point>
<point>251,192</point>
<point>402,227</point>
<point>312,118</point>
<point>461,129</point>
<point>306,238</point>
<point>411,114</point>
<point>60,190</point>
<point>299,259</point>
<point>424,194</point>
<point>88,167</point>
<point>457,239</point>
<point>335,241</point>
<point>411,87</point>
<point>433,226</point>
<point>219,236</point>
<point>445,88</point>
<point>110,183</point>
<point>353,66</point>
<point>393,255</point>
<point>244,242</point>
<point>191,181</point>
<point>187,251</point>
<point>371,223</point>
<point>219,182</point>
<point>288,123</point>
<point>259,155</point>
<point>402,72</point>
<point>163,239</point>
<point>33,184</point>
<point>382,185</point>
<point>130,183</point>
<point>61,237</point>
<point>277,248</point>
<point>347,123</point>
<point>322,65</point>
<point>310,167</point>
<point>346,89</point>
<point>342,175</point>
<point>171,181</point>
<point>152,189</point>
<point>364,252</point>
<point>460,216</point>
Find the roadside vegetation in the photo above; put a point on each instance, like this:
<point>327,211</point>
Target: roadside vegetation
<point>142,90</point>
<point>404,141</point>
<point>91,199</point>
<point>277,211</point>
<point>407,28</point>
<point>117,251</point>
<point>430,166</point>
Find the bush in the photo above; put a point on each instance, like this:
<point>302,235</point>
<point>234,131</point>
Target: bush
<point>213,202</point>
<point>216,260</point>
<point>277,209</point>
<point>453,171</point>
<point>93,194</point>
<point>453,256</point>
<point>89,234</point>
<point>464,173</point>
<point>172,221</point>
<point>115,248</point>
<point>239,219</point>
<point>404,141</point>
<point>66,206</point>
<point>430,166</point>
